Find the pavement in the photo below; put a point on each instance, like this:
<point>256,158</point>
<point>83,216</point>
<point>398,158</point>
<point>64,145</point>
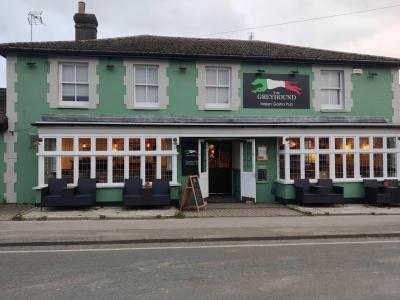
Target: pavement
<point>243,210</point>
<point>217,210</point>
<point>31,213</point>
<point>10,211</point>
<point>195,229</point>
<point>96,213</point>
<point>346,210</point>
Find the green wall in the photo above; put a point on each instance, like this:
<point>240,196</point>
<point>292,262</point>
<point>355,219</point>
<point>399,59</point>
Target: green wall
<point>372,96</point>
<point>264,191</point>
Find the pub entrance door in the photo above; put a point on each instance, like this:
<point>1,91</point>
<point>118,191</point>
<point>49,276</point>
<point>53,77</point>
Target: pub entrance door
<point>220,168</point>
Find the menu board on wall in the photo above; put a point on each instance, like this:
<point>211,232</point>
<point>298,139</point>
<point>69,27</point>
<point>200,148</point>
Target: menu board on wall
<point>190,158</point>
<point>282,91</point>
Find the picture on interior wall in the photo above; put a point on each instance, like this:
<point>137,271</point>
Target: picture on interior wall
<point>276,91</point>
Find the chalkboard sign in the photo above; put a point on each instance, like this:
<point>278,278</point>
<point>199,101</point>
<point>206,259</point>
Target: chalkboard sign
<point>193,186</point>
<point>190,158</point>
<point>197,189</point>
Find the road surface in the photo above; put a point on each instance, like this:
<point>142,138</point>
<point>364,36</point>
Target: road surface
<point>323,269</point>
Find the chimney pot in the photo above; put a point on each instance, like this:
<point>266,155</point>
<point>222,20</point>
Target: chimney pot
<point>81,7</point>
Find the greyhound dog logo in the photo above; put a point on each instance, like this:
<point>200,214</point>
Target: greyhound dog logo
<point>261,85</point>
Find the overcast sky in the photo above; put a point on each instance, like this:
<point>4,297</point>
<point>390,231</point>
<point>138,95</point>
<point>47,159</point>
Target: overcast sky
<point>372,33</point>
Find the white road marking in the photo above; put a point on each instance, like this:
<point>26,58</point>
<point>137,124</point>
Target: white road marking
<point>199,247</point>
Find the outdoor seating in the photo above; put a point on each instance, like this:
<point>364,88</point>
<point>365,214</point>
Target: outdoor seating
<point>58,194</point>
<point>391,182</point>
<point>135,194</point>
<point>85,192</point>
<point>324,192</point>
<point>132,193</point>
<point>376,194</point>
<point>160,192</point>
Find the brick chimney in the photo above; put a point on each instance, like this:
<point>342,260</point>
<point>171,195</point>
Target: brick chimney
<point>85,24</point>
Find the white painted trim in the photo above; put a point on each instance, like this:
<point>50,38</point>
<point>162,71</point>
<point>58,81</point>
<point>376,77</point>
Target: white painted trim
<point>129,80</point>
<point>347,87</point>
<point>53,80</point>
<point>11,137</point>
<point>396,95</point>
<point>235,101</point>
<point>209,132</point>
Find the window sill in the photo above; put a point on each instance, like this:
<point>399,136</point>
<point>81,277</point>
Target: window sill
<point>101,185</point>
<point>121,185</point>
<point>40,187</point>
<point>332,109</point>
<point>217,107</point>
<point>73,105</point>
<point>149,107</point>
<point>338,180</point>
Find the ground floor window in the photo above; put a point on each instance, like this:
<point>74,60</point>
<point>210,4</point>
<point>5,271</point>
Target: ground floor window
<point>109,159</point>
<point>67,168</point>
<point>338,157</point>
<point>101,169</point>
<point>50,170</point>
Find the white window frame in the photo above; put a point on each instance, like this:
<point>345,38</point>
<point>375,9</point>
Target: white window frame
<point>75,83</point>
<point>217,86</point>
<point>109,154</point>
<point>129,82</point>
<point>54,79</point>
<point>330,88</point>
<point>347,88</point>
<point>147,104</point>
<point>332,151</point>
<point>235,84</point>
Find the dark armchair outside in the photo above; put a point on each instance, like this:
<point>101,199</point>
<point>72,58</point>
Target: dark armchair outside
<point>160,192</point>
<point>56,193</point>
<point>157,195</point>
<point>376,194</point>
<point>85,192</point>
<point>324,192</point>
<point>133,192</point>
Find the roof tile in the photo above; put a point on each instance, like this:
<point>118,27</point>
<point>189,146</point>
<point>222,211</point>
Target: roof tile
<point>182,47</point>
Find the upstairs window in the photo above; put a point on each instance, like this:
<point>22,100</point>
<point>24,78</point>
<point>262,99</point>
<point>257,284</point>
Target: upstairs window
<point>218,86</point>
<point>74,82</point>
<point>146,85</point>
<point>332,91</point>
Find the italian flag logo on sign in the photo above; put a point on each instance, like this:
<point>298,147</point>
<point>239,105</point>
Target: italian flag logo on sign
<point>262,85</point>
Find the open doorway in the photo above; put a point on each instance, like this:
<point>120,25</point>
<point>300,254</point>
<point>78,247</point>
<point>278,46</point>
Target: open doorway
<point>224,171</point>
<point>220,168</point>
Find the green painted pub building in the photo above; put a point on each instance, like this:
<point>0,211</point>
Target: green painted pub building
<point>247,117</point>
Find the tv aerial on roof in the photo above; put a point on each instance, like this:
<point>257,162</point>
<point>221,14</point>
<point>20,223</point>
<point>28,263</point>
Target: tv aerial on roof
<point>35,18</point>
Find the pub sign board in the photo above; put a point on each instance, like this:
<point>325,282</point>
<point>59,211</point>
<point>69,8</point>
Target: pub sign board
<point>190,158</point>
<point>276,91</point>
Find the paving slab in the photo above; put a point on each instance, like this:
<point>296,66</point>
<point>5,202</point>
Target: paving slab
<point>96,213</point>
<point>121,213</point>
<point>347,209</point>
<point>217,210</point>
<point>10,211</point>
